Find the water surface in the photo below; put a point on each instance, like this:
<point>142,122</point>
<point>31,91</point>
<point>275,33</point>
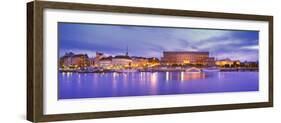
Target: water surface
<point>94,85</point>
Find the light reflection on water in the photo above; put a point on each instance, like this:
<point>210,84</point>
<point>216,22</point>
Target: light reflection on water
<point>92,85</point>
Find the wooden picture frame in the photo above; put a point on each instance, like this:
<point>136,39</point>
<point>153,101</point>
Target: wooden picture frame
<point>35,46</point>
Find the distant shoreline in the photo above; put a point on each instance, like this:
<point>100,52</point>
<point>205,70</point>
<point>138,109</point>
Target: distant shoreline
<point>112,71</point>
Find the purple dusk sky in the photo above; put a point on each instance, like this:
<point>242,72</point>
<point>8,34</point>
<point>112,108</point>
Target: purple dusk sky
<point>152,41</point>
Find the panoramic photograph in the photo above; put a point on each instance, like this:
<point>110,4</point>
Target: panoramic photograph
<point>105,60</point>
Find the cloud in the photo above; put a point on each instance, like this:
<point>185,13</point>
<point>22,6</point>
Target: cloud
<point>152,41</point>
<point>200,34</point>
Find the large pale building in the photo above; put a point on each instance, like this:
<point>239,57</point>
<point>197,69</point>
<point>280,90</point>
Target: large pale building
<point>122,61</point>
<point>187,57</point>
<point>105,62</point>
<point>117,62</point>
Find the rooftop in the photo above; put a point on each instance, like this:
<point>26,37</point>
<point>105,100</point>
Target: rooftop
<point>123,57</point>
<point>185,52</point>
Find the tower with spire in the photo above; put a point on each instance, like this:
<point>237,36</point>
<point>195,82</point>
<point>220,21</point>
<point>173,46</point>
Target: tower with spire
<point>127,52</point>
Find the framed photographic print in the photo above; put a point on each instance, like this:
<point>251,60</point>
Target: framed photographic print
<point>96,61</point>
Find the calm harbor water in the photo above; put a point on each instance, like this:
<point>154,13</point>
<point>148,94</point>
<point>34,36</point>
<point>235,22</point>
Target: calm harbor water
<point>94,85</point>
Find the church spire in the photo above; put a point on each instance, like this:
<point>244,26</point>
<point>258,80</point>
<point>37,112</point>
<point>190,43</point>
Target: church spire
<point>127,52</point>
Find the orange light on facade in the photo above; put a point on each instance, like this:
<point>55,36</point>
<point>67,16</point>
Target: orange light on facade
<point>186,61</point>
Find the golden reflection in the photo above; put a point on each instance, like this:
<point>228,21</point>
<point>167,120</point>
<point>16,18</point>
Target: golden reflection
<point>167,76</point>
<point>183,76</point>
<point>153,82</point>
<point>115,74</point>
<point>153,79</point>
<point>68,74</point>
<point>192,76</point>
<point>68,78</point>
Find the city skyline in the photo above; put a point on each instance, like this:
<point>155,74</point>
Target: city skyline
<point>152,41</point>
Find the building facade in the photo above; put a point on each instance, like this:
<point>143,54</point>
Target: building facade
<point>105,63</point>
<point>139,62</point>
<point>186,57</point>
<point>124,61</point>
<point>71,60</point>
<point>227,62</point>
<point>98,57</point>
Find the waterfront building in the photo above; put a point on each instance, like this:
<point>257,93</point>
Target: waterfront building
<point>211,61</point>
<point>227,62</point>
<point>251,64</point>
<point>92,61</point>
<point>66,60</point>
<point>117,62</point>
<point>139,62</point>
<point>153,61</point>
<point>186,58</point>
<point>99,56</point>
<point>75,61</point>
<point>105,62</point>
<point>122,61</point>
